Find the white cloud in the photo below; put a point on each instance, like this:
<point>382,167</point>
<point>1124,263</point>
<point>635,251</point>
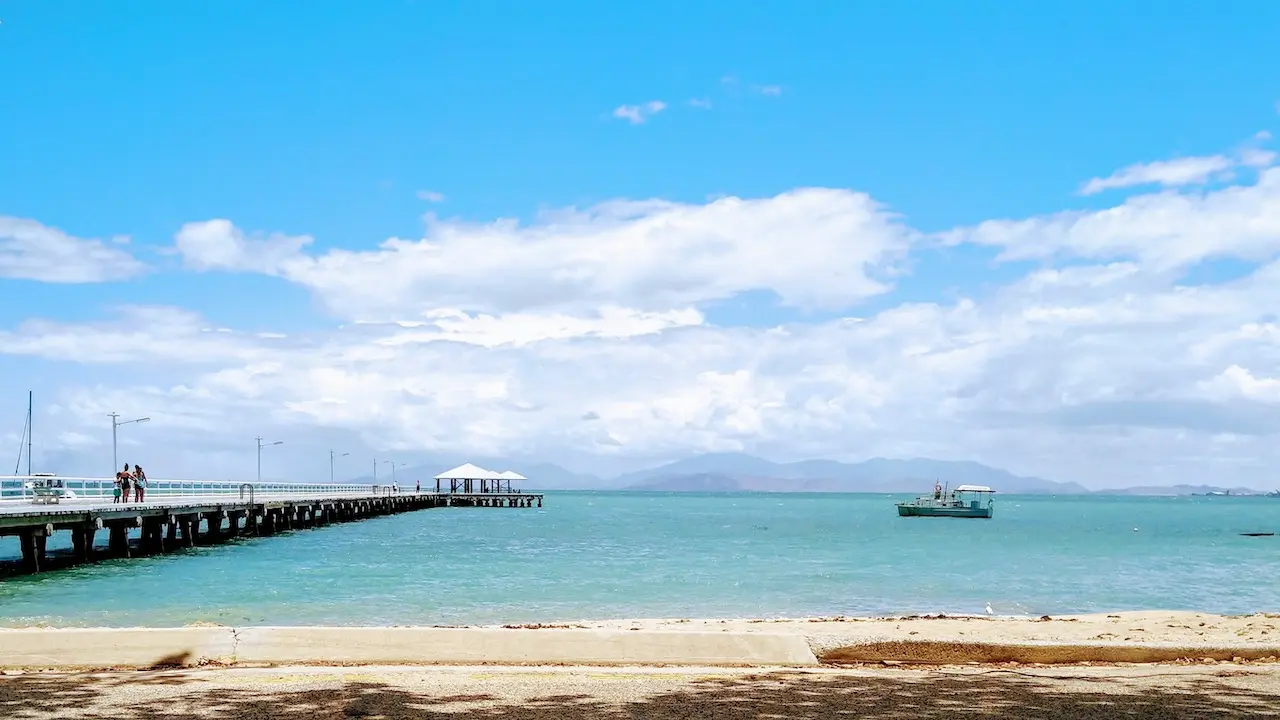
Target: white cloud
<point>700,103</point>
<point>814,248</point>
<point>32,251</point>
<point>1170,173</point>
<point>584,335</point>
<point>638,114</point>
<point>1183,171</point>
<point>769,90</point>
<point>1257,157</point>
<point>219,245</point>
<point>430,196</point>
<point>1163,230</point>
<point>1079,373</point>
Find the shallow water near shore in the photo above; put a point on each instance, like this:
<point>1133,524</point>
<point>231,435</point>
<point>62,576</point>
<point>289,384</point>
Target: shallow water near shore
<point>629,555</point>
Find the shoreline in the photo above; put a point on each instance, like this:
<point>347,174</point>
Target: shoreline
<point>1126,637</point>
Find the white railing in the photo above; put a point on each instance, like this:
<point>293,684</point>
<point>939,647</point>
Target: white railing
<point>19,488</point>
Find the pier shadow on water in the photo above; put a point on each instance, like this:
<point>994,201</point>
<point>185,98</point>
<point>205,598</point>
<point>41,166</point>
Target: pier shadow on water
<point>1157,693</point>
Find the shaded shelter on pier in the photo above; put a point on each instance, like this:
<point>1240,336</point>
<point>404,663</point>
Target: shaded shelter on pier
<point>468,478</point>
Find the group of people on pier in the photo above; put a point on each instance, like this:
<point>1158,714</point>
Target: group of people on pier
<point>129,480</point>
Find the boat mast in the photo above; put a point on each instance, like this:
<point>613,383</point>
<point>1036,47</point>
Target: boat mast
<point>29,433</point>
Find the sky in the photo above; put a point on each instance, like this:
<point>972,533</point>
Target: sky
<point>610,235</point>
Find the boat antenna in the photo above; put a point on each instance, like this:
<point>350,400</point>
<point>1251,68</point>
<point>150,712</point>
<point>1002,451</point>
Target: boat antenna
<point>30,430</point>
<point>26,437</point>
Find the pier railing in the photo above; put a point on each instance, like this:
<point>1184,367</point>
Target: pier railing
<point>20,488</point>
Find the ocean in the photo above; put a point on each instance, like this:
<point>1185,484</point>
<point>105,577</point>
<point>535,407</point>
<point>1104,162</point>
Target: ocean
<point>609,555</point>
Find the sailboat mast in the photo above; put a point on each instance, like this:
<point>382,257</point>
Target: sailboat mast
<point>29,433</point>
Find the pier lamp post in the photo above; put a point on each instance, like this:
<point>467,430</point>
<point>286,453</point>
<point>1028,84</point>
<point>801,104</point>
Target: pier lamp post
<point>116,422</point>
<point>260,446</point>
<point>331,457</point>
<point>393,465</point>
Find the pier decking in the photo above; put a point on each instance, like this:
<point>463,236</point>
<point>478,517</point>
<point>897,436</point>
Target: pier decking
<point>171,519</point>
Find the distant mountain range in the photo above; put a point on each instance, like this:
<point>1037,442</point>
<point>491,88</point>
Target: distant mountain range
<point>736,471</point>
<point>739,472</point>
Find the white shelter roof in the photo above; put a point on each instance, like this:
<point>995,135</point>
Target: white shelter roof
<point>509,475</point>
<point>467,471</point>
<point>974,488</point>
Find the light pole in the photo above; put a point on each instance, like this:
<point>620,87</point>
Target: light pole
<point>115,423</point>
<point>375,471</point>
<point>260,446</point>
<point>331,457</point>
<point>393,465</point>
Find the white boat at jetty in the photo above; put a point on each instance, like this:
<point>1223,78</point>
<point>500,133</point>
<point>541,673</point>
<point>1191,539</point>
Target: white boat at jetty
<point>966,501</point>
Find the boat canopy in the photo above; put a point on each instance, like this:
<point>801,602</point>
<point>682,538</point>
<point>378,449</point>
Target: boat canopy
<point>974,489</point>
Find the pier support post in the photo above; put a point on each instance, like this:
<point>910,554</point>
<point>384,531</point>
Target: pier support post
<point>33,544</point>
<point>188,528</point>
<point>233,523</point>
<point>171,533</point>
<point>118,542</point>
<point>82,540</point>
<point>152,535</point>
<point>214,522</point>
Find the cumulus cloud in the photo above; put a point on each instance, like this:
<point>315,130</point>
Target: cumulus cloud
<point>431,196</point>
<point>219,245</point>
<point>700,103</point>
<point>638,114</point>
<point>1060,365</point>
<point>814,248</point>
<point>1164,230</point>
<point>584,334</point>
<point>32,251</point>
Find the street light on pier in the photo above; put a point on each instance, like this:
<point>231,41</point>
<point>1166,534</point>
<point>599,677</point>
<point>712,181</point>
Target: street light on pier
<point>116,422</point>
<point>331,457</point>
<point>260,446</point>
<point>393,465</point>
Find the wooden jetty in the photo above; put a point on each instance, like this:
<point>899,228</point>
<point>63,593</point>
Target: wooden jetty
<point>171,519</point>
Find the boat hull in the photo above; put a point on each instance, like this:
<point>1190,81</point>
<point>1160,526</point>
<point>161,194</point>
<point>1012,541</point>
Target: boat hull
<point>908,510</point>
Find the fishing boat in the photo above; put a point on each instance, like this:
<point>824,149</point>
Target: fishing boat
<point>966,501</point>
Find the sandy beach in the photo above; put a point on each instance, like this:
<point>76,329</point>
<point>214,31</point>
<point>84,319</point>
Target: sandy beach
<point>1133,637</point>
<point>394,693</point>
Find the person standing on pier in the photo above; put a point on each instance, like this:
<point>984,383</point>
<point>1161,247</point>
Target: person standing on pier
<point>139,482</point>
<point>115,489</point>
<point>126,481</point>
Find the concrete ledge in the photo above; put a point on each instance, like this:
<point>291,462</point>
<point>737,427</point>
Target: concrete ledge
<point>951,653</point>
<point>455,646</point>
<point>143,648</point>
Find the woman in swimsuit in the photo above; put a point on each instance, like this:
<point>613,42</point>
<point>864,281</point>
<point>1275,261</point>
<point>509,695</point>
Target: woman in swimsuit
<point>126,481</point>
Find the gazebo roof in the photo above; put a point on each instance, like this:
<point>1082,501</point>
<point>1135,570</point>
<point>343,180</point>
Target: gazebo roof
<point>509,475</point>
<point>467,471</point>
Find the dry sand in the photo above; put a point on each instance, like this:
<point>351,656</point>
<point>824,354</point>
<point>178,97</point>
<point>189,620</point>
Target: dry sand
<point>1134,637</point>
<point>961,639</point>
<point>1134,693</point>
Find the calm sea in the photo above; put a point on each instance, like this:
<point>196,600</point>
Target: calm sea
<point>622,555</point>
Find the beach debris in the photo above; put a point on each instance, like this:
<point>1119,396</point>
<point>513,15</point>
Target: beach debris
<point>1045,618</point>
<point>989,610</point>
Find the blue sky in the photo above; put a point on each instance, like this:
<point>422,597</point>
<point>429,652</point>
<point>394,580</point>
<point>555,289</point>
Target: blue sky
<point>135,118</point>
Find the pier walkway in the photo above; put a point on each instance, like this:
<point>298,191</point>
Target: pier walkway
<point>178,514</point>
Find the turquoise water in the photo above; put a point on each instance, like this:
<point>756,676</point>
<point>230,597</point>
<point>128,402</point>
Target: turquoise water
<point>615,555</point>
